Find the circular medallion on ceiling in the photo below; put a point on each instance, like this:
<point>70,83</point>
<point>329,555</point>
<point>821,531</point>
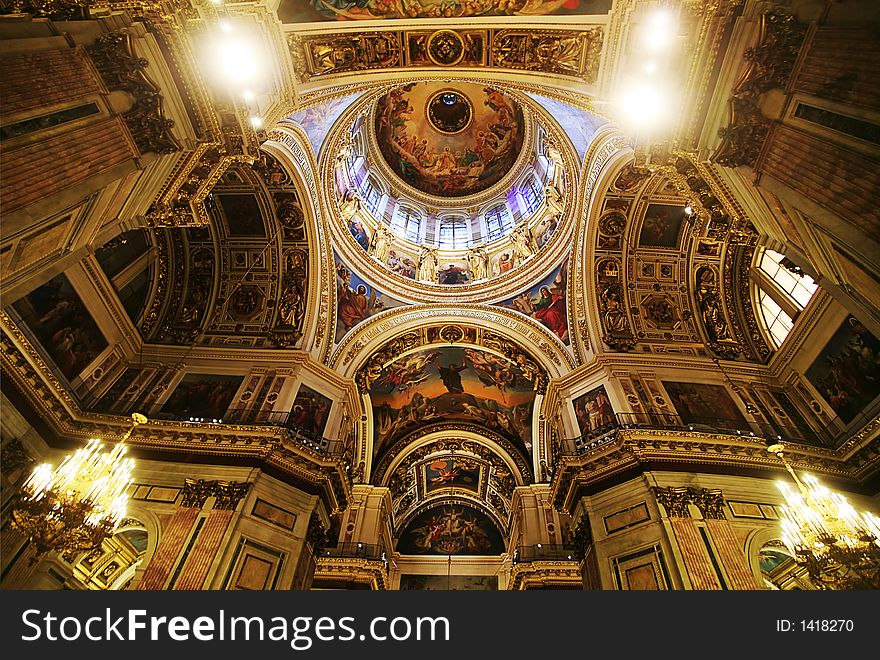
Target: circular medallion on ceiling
<point>449,142</point>
<point>445,48</point>
<point>450,112</point>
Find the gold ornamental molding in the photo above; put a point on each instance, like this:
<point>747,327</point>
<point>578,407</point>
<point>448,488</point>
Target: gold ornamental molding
<point>233,443</point>
<point>546,575</point>
<point>633,449</point>
<point>562,49</point>
<point>359,345</point>
<point>351,569</point>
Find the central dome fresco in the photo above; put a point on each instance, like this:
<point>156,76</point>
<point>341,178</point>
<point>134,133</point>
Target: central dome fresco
<point>449,140</point>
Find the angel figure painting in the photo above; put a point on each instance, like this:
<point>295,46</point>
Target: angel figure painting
<point>451,530</point>
<point>546,302</point>
<point>446,383</point>
<point>451,473</point>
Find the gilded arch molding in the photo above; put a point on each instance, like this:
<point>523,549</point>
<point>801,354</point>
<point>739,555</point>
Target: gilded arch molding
<point>607,157</point>
<point>500,471</point>
<point>290,146</point>
<point>356,348</point>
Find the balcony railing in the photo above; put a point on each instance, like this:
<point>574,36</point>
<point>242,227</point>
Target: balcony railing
<point>525,554</point>
<point>273,418</point>
<point>355,551</point>
<point>607,432</point>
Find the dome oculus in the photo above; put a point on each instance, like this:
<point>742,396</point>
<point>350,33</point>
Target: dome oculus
<point>450,112</point>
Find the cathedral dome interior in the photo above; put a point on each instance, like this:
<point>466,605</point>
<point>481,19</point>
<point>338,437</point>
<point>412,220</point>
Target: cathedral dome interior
<point>464,295</point>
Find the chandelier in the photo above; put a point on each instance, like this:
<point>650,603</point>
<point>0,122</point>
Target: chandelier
<point>839,546</point>
<point>74,507</point>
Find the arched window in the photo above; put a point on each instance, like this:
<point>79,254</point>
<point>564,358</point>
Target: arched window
<point>408,223</point>
<point>783,292</point>
<point>453,233</point>
<point>372,196</point>
<point>532,194</point>
<point>498,222</point>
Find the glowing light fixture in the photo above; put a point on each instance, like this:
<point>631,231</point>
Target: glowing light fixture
<point>644,105</point>
<point>839,546</point>
<point>77,505</point>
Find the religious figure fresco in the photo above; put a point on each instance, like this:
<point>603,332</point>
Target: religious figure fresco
<point>243,216</point>
<point>451,530</point>
<point>449,383</point>
<point>546,302</point>
<point>59,320</point>
<point>302,11</point>
<point>847,371</point>
<point>317,120</point>
<point>205,396</point>
<point>310,411</point>
<point>700,402</point>
<point>356,300</point>
<point>451,473</point>
<point>449,142</point>
<point>454,274</point>
<point>593,410</point>
<point>662,225</point>
<point>402,264</point>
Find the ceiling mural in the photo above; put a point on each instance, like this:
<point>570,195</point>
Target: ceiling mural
<point>846,370</point>
<point>449,140</point>
<point>319,119</point>
<point>579,124</point>
<point>451,472</point>
<point>546,303</point>
<point>453,529</point>
<point>446,383</point>
<point>206,396</point>
<point>62,325</point>
<point>662,225</point>
<point>303,11</point>
<point>356,300</point>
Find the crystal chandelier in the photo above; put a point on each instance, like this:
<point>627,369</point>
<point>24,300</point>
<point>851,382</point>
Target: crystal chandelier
<point>839,546</point>
<point>74,507</point>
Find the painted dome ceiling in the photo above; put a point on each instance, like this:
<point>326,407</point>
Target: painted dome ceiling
<point>449,140</point>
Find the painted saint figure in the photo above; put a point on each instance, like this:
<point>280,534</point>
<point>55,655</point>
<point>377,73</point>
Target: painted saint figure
<point>451,376</point>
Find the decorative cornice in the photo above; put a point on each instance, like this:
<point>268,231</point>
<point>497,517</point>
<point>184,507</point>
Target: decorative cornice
<point>226,443</point>
<point>352,569</point>
<point>545,574</point>
<point>631,449</point>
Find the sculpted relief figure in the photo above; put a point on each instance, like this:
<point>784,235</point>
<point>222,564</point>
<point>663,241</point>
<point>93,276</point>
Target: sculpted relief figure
<point>554,199</point>
<point>383,239</point>
<point>351,203</point>
<point>428,264</point>
<point>522,241</point>
<point>346,149</point>
<point>478,260</point>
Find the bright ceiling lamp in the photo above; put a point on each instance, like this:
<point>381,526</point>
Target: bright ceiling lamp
<point>644,105</point>
<point>75,506</point>
<point>658,29</point>
<point>839,546</point>
<point>236,60</point>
